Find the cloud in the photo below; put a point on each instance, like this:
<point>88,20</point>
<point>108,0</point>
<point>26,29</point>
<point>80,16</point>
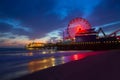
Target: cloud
<point>55,34</point>
<point>63,8</point>
<point>15,24</point>
<point>43,20</point>
<point>13,40</point>
<point>5,27</point>
<point>109,28</point>
<point>15,27</point>
<point>108,24</point>
<point>108,11</point>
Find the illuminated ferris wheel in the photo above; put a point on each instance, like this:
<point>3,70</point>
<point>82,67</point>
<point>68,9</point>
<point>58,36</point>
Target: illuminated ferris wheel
<point>76,25</point>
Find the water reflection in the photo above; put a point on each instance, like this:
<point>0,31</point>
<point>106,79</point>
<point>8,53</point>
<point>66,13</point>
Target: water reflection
<point>40,64</point>
<point>23,62</point>
<point>36,65</point>
<point>78,56</point>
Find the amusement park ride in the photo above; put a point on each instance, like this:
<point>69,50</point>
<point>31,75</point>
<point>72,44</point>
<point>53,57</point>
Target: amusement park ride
<point>79,35</point>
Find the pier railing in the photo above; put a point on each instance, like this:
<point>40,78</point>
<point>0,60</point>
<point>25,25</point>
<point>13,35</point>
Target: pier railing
<point>85,45</point>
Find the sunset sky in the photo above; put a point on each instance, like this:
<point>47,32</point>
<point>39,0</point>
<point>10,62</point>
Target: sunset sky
<point>22,21</point>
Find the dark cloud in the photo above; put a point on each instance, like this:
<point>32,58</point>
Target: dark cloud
<point>5,27</point>
<point>2,41</point>
<point>37,18</point>
<point>25,8</point>
<point>108,11</point>
<point>12,37</point>
<point>33,13</point>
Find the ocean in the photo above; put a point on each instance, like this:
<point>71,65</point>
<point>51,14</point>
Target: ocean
<point>16,62</point>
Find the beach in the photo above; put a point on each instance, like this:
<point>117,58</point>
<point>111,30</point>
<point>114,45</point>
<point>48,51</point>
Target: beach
<point>17,62</point>
<point>101,65</point>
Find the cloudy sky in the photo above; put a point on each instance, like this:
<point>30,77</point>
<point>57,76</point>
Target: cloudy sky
<point>22,21</point>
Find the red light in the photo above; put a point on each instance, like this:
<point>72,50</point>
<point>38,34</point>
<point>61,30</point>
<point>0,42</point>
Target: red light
<point>83,55</point>
<point>78,29</point>
<point>78,56</point>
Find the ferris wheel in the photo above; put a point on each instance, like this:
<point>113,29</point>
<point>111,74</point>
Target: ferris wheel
<point>76,25</point>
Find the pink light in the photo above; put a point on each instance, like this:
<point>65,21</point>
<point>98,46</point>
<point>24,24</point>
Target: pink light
<point>84,55</point>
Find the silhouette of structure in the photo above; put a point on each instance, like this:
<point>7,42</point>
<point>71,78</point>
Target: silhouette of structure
<point>80,36</point>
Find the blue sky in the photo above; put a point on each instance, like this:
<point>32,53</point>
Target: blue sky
<point>22,21</point>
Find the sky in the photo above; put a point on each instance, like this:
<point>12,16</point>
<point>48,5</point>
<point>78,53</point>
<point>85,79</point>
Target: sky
<point>24,21</point>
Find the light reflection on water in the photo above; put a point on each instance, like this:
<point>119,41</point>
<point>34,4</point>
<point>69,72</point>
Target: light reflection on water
<point>36,65</point>
<point>23,63</point>
<point>40,64</point>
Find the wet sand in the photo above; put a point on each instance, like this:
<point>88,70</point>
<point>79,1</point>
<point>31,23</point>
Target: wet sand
<point>104,66</point>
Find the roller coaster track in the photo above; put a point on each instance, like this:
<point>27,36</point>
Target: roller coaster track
<point>114,34</point>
